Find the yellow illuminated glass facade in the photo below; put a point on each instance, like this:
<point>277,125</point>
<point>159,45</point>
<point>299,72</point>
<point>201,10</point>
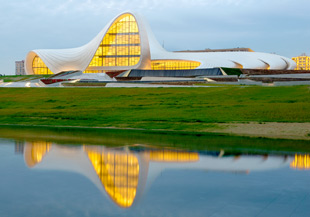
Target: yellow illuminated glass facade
<point>174,64</point>
<point>39,67</point>
<point>94,71</point>
<point>302,62</point>
<point>301,162</point>
<point>119,174</point>
<point>39,150</point>
<point>120,46</point>
<point>173,156</point>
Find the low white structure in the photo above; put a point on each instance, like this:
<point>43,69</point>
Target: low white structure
<point>127,42</point>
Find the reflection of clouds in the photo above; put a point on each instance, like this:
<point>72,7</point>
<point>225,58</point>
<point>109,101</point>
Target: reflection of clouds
<point>95,6</point>
<point>301,162</point>
<point>71,6</point>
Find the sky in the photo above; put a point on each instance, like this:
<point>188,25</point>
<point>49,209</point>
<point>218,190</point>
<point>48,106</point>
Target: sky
<point>271,26</point>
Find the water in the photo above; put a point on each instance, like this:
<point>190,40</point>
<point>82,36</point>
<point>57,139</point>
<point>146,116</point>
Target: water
<point>57,173</point>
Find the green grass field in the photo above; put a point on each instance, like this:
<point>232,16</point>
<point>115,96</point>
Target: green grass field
<point>190,109</point>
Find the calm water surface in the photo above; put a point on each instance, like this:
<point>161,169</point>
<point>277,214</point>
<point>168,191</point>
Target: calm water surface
<point>41,177</point>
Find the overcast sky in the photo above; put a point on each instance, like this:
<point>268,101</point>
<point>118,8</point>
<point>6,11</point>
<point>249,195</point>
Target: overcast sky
<point>272,26</point>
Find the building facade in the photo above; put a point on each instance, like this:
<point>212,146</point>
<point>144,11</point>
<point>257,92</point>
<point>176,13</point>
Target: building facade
<point>302,62</point>
<point>127,42</point>
<point>20,68</point>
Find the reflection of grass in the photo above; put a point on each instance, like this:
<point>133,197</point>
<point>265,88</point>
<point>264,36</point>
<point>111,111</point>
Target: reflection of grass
<point>190,109</point>
<point>179,140</point>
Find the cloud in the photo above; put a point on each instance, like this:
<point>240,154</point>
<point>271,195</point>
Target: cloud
<point>98,6</point>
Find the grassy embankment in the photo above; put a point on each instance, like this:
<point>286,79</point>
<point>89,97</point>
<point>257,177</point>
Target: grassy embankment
<point>15,78</point>
<point>158,140</point>
<point>186,109</point>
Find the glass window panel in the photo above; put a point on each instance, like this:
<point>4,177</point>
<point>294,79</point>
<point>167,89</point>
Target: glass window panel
<point>111,51</point>
<point>122,39</point>
<point>123,61</point>
<point>109,61</point>
<point>118,62</point>
<point>99,51</point>
<point>134,39</point>
<point>134,27</point>
<point>122,50</point>
<point>135,50</point>
<point>174,64</point>
<point>134,60</point>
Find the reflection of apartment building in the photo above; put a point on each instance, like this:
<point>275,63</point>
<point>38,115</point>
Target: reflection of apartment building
<point>302,62</point>
<point>19,67</point>
<point>19,147</point>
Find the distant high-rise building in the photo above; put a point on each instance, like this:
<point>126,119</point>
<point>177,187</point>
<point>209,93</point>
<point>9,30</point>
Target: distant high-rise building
<point>302,62</point>
<point>19,67</point>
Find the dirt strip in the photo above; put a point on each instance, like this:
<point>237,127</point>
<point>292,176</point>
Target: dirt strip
<point>268,130</point>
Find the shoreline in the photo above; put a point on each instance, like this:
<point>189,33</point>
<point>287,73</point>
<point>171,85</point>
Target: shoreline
<point>271,130</point>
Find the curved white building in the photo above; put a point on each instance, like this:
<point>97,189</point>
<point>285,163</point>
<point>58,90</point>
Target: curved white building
<point>127,42</point>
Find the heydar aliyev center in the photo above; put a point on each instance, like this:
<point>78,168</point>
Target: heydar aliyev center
<point>127,42</point>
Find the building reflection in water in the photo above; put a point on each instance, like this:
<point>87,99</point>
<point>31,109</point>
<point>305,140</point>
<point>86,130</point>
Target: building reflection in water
<point>35,154</point>
<point>301,162</point>
<point>19,147</point>
<point>123,175</point>
<point>118,172</point>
